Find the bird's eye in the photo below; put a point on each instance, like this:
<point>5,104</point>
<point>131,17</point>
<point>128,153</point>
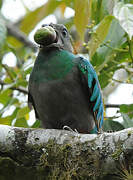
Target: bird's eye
<point>64,32</point>
<point>44,25</point>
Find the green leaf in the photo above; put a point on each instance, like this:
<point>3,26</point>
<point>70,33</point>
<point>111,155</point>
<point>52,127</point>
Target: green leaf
<point>105,59</point>
<point>128,1</point>
<point>124,13</point>
<point>116,37</point>
<point>14,42</point>
<point>21,82</point>
<point>36,124</point>
<point>10,71</point>
<point>128,122</point>
<point>22,112</point>
<point>37,15</point>
<point>21,122</point>
<point>5,96</point>
<point>8,103</point>
<point>1,1</point>
<point>123,56</point>
<point>100,9</point>
<point>99,35</point>
<point>8,80</point>
<point>3,32</point>
<point>107,8</point>
<point>82,13</point>
<point>124,108</point>
<point>110,125</point>
<point>28,71</point>
<point>95,10</point>
<point>8,119</point>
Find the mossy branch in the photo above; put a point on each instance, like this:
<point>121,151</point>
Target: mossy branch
<point>60,154</point>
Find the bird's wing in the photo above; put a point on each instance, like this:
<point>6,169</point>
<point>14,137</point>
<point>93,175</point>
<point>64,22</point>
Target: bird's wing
<point>95,96</point>
<point>32,104</point>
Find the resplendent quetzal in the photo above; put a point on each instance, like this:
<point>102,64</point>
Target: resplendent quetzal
<point>63,87</point>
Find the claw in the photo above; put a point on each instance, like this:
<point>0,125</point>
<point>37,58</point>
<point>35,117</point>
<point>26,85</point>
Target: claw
<point>69,129</point>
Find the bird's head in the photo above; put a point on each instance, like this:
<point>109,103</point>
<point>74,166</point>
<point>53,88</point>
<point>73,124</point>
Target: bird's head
<point>53,35</point>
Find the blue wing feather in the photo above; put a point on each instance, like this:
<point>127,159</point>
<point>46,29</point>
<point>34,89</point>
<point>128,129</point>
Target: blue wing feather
<point>95,93</point>
<point>96,96</point>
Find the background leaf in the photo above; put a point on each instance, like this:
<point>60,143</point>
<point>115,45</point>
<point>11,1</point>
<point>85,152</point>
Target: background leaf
<point>82,14</point>
<point>127,109</point>
<point>37,124</point>
<point>8,119</point>
<point>1,3</point>
<point>99,35</point>
<point>5,96</point>
<point>37,15</point>
<point>101,9</point>
<point>124,13</point>
<point>22,112</point>
<point>21,122</point>
<point>3,32</point>
<point>110,125</point>
<point>105,59</point>
<point>127,121</point>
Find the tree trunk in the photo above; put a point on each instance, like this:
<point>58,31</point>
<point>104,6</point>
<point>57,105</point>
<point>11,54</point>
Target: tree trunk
<point>39,154</point>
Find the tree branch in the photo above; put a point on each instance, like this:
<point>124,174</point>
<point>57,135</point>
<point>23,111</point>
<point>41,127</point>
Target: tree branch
<point>112,105</point>
<point>14,31</point>
<point>54,153</point>
<point>14,88</point>
<point>123,82</point>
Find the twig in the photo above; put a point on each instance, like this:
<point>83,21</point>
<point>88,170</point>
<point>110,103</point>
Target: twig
<point>112,117</point>
<point>115,105</point>
<point>129,70</point>
<point>7,70</point>
<point>115,49</point>
<point>14,88</point>
<point>112,105</point>
<point>123,82</point>
<point>14,31</point>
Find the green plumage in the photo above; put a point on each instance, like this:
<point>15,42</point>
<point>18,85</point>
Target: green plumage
<point>53,66</point>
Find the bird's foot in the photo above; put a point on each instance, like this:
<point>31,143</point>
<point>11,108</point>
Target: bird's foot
<point>70,129</point>
<point>100,131</point>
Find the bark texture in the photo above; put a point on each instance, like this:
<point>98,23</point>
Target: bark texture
<point>40,154</point>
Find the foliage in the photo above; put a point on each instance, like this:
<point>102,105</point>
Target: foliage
<point>109,44</point>
<point>2,32</point>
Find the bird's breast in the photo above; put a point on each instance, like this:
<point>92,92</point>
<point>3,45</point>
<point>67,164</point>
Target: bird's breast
<point>51,71</point>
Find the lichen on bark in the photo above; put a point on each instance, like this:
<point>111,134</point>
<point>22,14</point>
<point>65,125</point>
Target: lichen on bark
<point>58,154</point>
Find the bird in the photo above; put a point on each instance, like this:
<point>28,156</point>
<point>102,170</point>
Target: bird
<point>63,88</point>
